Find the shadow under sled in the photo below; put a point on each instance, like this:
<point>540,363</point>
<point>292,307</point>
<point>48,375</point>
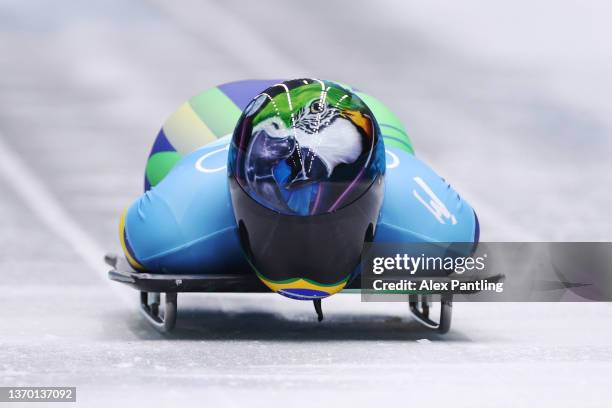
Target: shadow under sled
<point>162,314</point>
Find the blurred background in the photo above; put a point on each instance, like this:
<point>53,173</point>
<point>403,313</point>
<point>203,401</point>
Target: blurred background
<point>509,101</point>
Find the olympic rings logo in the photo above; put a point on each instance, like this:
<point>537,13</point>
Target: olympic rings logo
<point>395,160</point>
<point>199,165</point>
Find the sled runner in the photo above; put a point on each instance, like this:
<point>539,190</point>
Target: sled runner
<point>152,286</point>
<point>163,314</point>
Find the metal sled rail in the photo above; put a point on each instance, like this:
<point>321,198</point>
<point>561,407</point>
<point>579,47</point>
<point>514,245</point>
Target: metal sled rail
<point>158,293</point>
<point>162,315</point>
<point>150,282</point>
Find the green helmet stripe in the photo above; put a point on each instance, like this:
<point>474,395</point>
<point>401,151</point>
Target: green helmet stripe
<point>396,142</point>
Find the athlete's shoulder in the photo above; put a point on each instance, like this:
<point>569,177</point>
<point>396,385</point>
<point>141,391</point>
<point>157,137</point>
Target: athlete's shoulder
<point>185,223</point>
<point>422,206</point>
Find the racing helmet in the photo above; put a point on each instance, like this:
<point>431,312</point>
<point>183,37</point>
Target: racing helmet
<point>306,174</point>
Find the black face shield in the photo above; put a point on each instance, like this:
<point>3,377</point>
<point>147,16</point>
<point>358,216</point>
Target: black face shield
<point>321,250</point>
